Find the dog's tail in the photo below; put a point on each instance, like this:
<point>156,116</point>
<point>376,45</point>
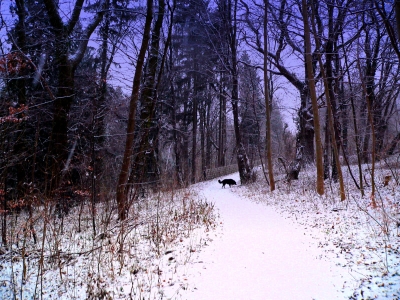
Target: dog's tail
<point>219,181</point>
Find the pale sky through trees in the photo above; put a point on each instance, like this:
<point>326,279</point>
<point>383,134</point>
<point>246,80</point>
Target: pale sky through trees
<point>123,69</point>
<point>120,118</point>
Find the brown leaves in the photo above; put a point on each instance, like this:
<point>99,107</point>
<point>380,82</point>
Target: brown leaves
<point>16,115</point>
<point>14,63</point>
<point>83,193</point>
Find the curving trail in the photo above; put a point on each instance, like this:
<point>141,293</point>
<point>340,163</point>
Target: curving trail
<point>259,255</point>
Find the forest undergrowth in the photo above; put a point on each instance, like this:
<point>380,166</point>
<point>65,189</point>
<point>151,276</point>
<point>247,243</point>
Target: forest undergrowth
<point>89,254</point>
<point>134,259</point>
<point>362,239</point>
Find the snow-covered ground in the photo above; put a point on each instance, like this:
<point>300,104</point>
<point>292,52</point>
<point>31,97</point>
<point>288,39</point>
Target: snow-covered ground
<point>363,241</point>
<point>207,242</point>
<point>260,255</point>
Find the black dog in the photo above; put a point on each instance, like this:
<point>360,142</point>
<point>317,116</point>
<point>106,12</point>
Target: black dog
<point>230,182</point>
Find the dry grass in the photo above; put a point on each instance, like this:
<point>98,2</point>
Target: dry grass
<point>123,259</point>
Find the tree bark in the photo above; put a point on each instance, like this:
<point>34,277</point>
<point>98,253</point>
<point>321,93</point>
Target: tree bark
<point>305,134</point>
<point>241,155</point>
<point>397,11</point>
<point>222,124</point>
<point>329,95</point>
<point>122,189</point>
<point>194,138</point>
<point>311,84</point>
<point>267,102</point>
<point>66,64</point>
<point>371,123</point>
<point>146,169</point>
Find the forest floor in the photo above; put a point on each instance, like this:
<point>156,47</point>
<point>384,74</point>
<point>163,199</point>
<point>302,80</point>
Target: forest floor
<point>206,242</point>
<point>294,244</point>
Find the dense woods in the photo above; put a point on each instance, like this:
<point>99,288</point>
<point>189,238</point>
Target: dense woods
<point>112,99</point>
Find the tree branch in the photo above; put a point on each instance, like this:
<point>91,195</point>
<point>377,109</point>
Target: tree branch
<point>76,58</point>
<point>54,16</point>
<point>75,15</point>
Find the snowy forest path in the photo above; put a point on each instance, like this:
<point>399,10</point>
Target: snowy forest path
<point>260,255</point>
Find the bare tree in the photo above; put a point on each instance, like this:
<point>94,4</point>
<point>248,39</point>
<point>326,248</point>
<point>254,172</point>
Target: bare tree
<point>267,101</point>
<point>311,83</point>
<point>122,188</point>
<point>146,167</point>
<point>329,97</point>
<point>67,63</point>
<point>286,28</point>
<point>231,25</point>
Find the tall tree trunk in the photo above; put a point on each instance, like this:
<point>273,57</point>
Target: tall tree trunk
<point>146,169</point>
<point>105,63</point>
<point>122,188</point>
<point>185,141</point>
<point>19,84</point>
<point>343,104</point>
<point>397,11</point>
<point>208,136</point>
<point>371,63</point>
<point>267,102</point>
<point>18,87</point>
<point>365,141</point>
<point>66,64</point>
<point>98,114</point>
<point>62,104</point>
<point>330,99</point>
<point>194,138</point>
<point>176,135</point>
<point>202,140</point>
<point>306,130</point>
<point>355,125</point>
<point>327,147</point>
<point>176,141</point>
<point>371,123</point>
<point>241,155</point>
<point>222,124</point>
<point>313,94</point>
<point>305,134</point>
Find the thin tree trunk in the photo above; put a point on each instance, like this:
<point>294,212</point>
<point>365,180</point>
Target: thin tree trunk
<point>122,189</point>
<point>242,159</point>
<point>371,123</point>
<point>202,141</point>
<point>267,102</point>
<point>66,64</point>
<point>397,11</point>
<point>18,86</point>
<point>178,161</point>
<point>3,198</point>
<point>222,125</point>
<point>356,131</point>
<point>330,114</point>
<point>313,94</point>
<point>145,169</point>
<point>327,146</point>
<point>185,141</point>
<point>194,139</point>
<point>208,136</point>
